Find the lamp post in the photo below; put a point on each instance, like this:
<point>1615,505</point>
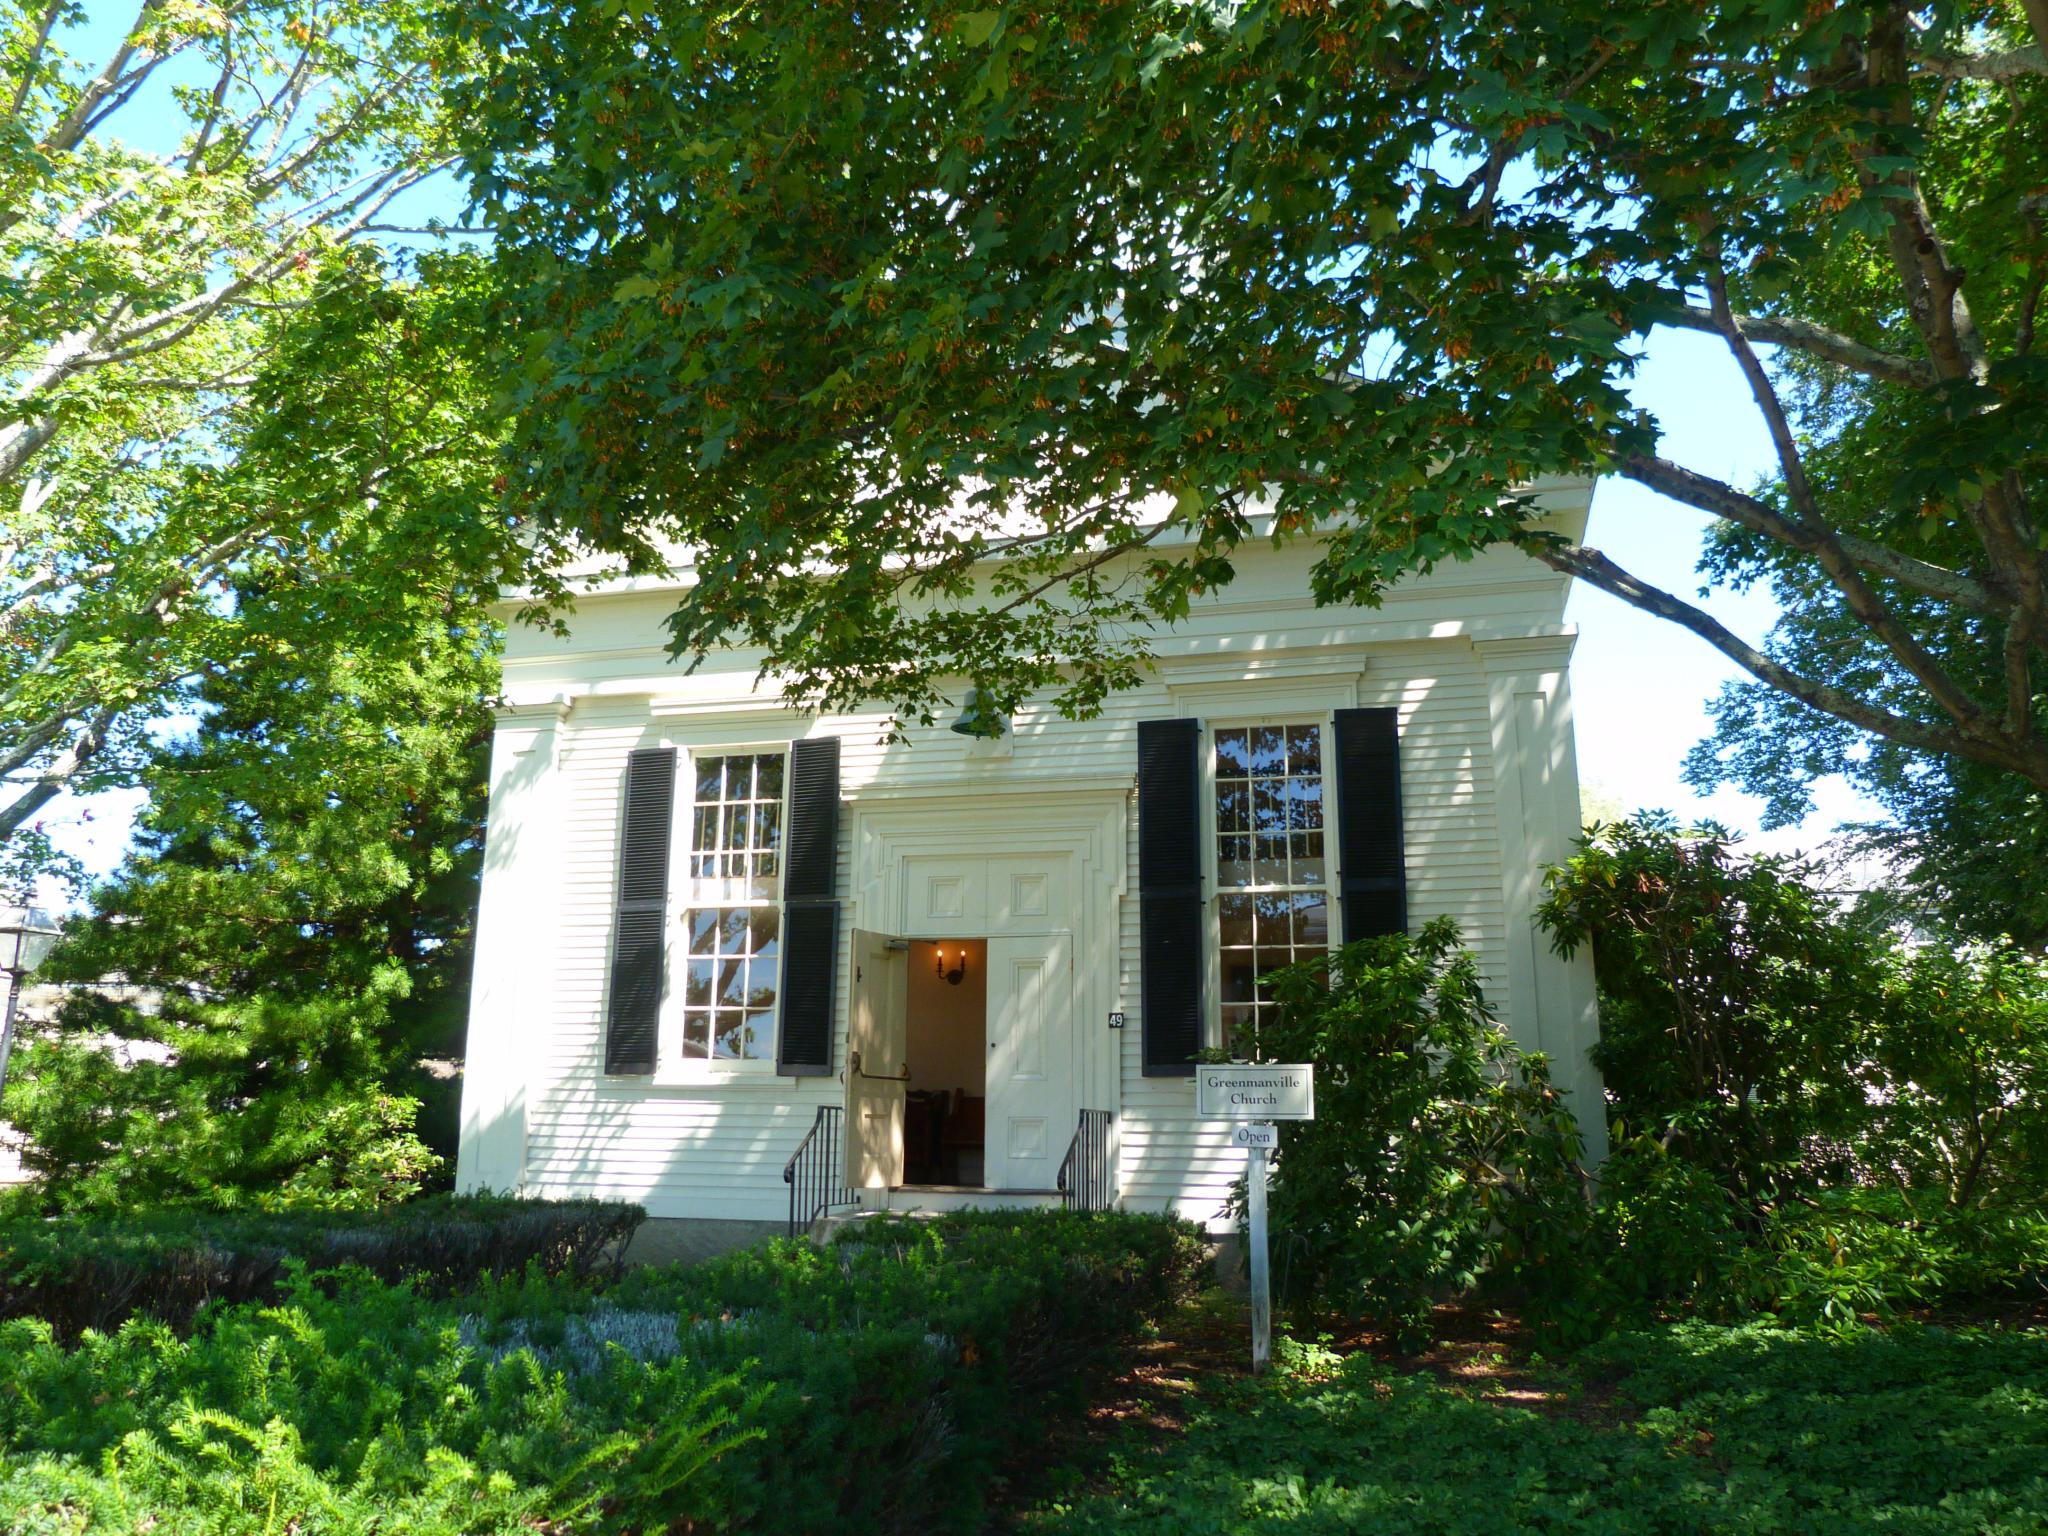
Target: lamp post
<point>26,936</point>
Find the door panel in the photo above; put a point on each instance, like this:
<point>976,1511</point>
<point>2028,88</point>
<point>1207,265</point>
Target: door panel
<point>1031,1106</point>
<point>875,1049</point>
<point>945,895</point>
<point>1027,892</point>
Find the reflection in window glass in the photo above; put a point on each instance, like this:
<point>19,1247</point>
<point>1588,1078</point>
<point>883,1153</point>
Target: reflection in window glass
<point>729,982</point>
<point>1272,902</point>
<point>733,937</point>
<point>736,826</point>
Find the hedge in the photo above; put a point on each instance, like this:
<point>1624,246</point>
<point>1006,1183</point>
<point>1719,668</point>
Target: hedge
<point>79,1274</point>
<point>875,1386</point>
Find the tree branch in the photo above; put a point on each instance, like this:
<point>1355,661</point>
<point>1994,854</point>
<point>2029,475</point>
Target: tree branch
<point>1723,500</point>
<point>72,127</point>
<point>2037,18</point>
<point>1761,390</point>
<point>2017,64</point>
<point>1814,340</point>
<point>1595,568</point>
<point>34,61</point>
<point>85,744</point>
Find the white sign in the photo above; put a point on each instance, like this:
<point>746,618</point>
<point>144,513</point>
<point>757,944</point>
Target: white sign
<point>1263,1091</point>
<point>1264,1136</point>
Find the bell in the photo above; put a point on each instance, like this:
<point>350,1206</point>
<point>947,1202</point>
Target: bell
<point>976,719</point>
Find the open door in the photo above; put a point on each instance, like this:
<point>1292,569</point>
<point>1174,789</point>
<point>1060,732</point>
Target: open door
<point>876,1061</point>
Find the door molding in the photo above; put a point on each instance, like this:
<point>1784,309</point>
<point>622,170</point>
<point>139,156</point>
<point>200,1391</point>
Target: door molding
<point>1088,828</point>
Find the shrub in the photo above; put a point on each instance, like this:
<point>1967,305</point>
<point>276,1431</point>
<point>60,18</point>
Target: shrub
<point>274,1100</point>
<point>1735,998</point>
<point>1957,1082</point>
<point>1851,1257</point>
<point>870,1387</point>
<point>1437,1143</point>
<point>1659,1234</point>
<point>79,1274</point>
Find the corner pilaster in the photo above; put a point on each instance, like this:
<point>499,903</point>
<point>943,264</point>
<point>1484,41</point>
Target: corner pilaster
<point>512,985</point>
<point>1552,1006</point>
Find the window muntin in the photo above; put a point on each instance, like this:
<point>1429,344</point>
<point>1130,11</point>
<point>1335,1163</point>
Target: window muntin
<point>736,827</point>
<point>1272,902</point>
<point>729,983</point>
<point>733,926</point>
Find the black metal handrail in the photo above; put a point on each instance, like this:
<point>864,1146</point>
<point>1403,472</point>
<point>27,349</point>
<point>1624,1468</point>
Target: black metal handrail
<point>816,1182</point>
<point>1087,1176</point>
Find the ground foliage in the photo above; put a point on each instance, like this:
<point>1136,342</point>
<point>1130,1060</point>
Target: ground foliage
<point>95,1273</point>
<point>970,342</point>
<point>1681,1429</point>
<point>291,929</point>
<point>868,1387</point>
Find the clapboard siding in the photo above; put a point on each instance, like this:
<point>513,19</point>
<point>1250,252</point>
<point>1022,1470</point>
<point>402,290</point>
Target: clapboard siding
<point>1171,1160</point>
<point>718,1149</point>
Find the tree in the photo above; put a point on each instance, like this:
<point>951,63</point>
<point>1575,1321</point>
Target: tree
<point>851,301</point>
<point>1960,843</point>
<point>304,881</point>
<point>145,292</point>
<point>1737,1005</point>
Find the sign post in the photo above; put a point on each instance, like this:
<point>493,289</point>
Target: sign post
<point>1254,1097</point>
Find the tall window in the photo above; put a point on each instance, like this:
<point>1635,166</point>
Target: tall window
<point>733,927</point>
<point>1273,904</point>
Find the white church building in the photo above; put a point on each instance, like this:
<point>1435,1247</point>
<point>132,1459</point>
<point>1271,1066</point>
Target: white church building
<point>749,966</point>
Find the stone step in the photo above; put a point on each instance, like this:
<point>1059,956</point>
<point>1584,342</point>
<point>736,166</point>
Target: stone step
<point>926,1201</point>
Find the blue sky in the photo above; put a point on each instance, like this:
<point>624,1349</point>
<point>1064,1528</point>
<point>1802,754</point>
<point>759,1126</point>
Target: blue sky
<point>1641,685</point>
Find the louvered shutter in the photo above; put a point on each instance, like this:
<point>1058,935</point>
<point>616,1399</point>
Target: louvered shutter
<point>1372,871</point>
<point>1171,919</point>
<point>810,910</point>
<point>640,915</point>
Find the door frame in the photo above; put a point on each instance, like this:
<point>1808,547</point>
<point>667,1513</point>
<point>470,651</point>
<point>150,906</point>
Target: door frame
<point>1089,825</point>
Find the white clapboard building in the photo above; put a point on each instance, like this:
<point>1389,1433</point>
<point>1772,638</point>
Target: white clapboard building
<point>744,965</point>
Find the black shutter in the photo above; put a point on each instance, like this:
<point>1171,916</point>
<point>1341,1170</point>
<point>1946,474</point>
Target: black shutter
<point>1170,912</point>
<point>640,916</point>
<point>1370,865</point>
<point>810,914</point>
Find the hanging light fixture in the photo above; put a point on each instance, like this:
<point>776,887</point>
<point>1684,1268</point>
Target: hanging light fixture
<point>959,970</point>
<point>977,719</point>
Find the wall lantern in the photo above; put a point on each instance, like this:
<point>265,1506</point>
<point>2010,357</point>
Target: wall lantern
<point>26,935</point>
<point>959,970</point>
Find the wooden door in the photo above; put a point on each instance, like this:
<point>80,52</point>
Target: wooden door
<point>1031,1067</point>
<point>875,1061</point>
